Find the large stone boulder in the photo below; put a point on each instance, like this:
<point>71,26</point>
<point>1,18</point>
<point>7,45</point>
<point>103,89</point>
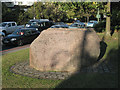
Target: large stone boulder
<point>64,49</point>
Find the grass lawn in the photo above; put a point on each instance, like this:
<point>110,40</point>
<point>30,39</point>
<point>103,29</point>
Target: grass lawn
<point>91,80</point>
<point>111,55</point>
<point>10,80</point>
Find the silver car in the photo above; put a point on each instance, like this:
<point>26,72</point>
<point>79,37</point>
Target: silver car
<point>91,23</point>
<point>76,25</point>
<point>2,34</point>
<point>59,26</point>
<point>1,37</point>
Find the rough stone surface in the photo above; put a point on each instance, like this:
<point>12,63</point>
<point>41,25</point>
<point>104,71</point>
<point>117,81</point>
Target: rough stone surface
<point>64,49</point>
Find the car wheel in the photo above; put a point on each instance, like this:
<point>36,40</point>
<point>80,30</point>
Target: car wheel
<point>20,43</point>
<point>4,33</point>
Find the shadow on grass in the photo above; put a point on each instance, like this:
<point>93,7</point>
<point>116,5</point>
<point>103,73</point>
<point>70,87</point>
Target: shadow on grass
<point>91,80</point>
<point>94,80</point>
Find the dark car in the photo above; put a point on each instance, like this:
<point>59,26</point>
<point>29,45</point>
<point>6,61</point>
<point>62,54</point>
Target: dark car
<point>21,36</point>
<point>40,24</point>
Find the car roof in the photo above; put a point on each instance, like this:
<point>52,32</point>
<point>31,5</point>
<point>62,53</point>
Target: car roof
<point>38,21</point>
<point>9,22</point>
<point>27,29</point>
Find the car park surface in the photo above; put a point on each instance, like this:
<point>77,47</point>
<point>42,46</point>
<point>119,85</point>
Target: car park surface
<point>21,36</point>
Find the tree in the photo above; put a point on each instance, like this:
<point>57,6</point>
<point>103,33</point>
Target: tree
<point>68,9</point>
<point>115,14</point>
<point>62,11</point>
<point>9,14</point>
<point>107,32</point>
<point>6,13</point>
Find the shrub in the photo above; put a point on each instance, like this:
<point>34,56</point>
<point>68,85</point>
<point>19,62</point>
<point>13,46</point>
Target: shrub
<point>100,27</point>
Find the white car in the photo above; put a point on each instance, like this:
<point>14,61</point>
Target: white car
<point>91,23</point>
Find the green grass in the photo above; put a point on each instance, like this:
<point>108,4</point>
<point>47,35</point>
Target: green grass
<point>10,80</point>
<point>91,80</point>
<point>111,55</point>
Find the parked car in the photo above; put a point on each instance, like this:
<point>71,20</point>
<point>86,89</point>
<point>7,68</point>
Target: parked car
<point>1,37</point>
<point>40,24</point>
<point>58,26</point>
<point>76,25</point>
<point>21,36</point>
<point>91,23</point>
<point>61,25</point>
<point>9,27</point>
<point>81,23</point>
<point>32,21</point>
<point>2,34</point>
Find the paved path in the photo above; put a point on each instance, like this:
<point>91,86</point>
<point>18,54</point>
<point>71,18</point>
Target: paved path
<point>9,49</point>
<point>25,70</point>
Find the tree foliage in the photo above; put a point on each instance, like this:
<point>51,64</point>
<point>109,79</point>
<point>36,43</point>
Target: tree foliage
<point>10,15</point>
<point>57,11</point>
<point>61,11</point>
<point>115,15</point>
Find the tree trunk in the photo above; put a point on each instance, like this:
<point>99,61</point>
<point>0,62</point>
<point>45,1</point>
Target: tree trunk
<point>1,12</point>
<point>107,33</point>
<point>87,18</point>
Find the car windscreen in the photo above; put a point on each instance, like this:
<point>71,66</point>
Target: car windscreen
<point>34,23</point>
<point>3,24</point>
